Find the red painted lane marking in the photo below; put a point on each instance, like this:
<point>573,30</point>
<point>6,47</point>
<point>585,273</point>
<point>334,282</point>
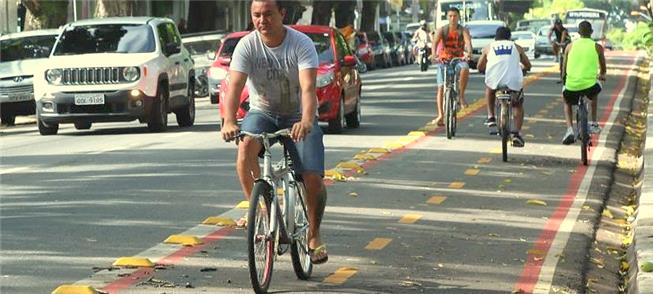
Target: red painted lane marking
<point>531,273</point>
<point>145,273</point>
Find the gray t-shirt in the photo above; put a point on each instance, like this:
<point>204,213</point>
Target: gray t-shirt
<point>273,73</point>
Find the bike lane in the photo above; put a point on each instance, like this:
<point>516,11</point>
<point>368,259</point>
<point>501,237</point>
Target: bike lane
<point>422,218</point>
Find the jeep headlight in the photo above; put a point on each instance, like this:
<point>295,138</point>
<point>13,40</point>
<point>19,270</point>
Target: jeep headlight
<point>53,76</point>
<point>325,79</point>
<point>130,73</point>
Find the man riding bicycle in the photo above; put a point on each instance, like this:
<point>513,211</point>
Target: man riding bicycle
<point>562,37</point>
<point>456,42</point>
<point>279,66</point>
<point>500,61</point>
<point>420,39</point>
<point>583,58</point>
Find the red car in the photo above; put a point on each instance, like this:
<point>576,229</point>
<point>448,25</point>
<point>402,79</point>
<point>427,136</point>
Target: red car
<point>220,67</point>
<point>338,81</point>
<point>364,50</point>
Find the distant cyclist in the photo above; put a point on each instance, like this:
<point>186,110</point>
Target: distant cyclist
<point>583,60</point>
<point>420,39</point>
<point>500,61</point>
<point>562,37</point>
<point>456,42</point>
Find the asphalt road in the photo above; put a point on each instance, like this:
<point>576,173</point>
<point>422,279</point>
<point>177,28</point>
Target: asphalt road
<point>435,215</point>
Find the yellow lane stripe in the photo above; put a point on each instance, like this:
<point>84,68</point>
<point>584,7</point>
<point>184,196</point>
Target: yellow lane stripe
<point>410,218</point>
<point>457,185</point>
<point>485,160</point>
<point>378,244</point>
<point>340,276</point>
<point>243,205</point>
<point>496,150</point>
<point>472,171</point>
<point>436,200</point>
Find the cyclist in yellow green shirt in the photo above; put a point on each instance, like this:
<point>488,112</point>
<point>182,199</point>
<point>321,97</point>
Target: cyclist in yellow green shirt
<point>582,61</point>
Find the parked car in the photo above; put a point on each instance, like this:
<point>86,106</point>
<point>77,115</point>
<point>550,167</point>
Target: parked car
<point>526,39</point>
<point>396,49</point>
<point>408,47</point>
<point>482,33</point>
<point>381,50</point>
<point>542,42</point>
<point>338,81</point>
<point>202,47</point>
<point>20,56</point>
<point>533,25</point>
<point>364,50</point>
<point>220,66</point>
<point>116,69</point>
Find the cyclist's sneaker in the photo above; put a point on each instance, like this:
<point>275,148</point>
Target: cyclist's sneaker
<point>490,122</point>
<point>517,140</point>
<point>569,137</point>
<point>594,128</point>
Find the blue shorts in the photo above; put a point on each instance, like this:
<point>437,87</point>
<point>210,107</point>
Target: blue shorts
<point>439,71</point>
<point>309,152</point>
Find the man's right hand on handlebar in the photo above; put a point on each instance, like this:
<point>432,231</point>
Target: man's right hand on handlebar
<point>229,131</point>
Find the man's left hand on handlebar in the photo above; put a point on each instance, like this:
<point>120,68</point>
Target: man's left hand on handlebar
<point>300,130</point>
<point>229,131</point>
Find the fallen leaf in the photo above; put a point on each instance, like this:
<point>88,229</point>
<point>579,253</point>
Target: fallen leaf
<point>536,202</point>
<point>607,213</point>
<point>647,266</point>
<point>353,194</point>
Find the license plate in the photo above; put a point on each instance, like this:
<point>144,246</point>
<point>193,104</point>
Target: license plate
<point>89,99</point>
<point>21,97</point>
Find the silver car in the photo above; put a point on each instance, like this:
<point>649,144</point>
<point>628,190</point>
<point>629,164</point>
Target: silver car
<point>202,47</point>
<point>20,55</point>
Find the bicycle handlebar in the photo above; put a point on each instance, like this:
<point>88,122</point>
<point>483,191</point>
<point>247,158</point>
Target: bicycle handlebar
<point>279,133</point>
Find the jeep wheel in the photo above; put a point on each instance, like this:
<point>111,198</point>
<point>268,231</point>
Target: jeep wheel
<point>83,125</point>
<point>8,119</point>
<point>354,118</point>
<point>186,115</point>
<point>158,120</point>
<point>336,124</point>
<point>47,130</point>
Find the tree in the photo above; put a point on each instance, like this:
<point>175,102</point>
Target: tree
<point>556,7</point>
<point>108,8</point>
<point>343,9</point>
<point>45,14</point>
<point>369,15</point>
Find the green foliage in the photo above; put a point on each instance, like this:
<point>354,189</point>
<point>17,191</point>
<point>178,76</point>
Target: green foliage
<point>640,38</point>
<point>558,7</point>
<point>615,35</point>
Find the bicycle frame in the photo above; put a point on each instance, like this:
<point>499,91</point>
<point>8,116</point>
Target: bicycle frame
<point>582,127</point>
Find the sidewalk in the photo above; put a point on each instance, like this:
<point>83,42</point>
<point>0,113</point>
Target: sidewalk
<point>643,239</point>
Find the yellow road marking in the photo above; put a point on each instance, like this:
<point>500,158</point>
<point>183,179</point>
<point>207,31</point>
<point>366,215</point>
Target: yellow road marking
<point>496,150</point>
<point>378,244</point>
<point>340,276</point>
<point>485,160</point>
<point>457,185</point>
<point>472,171</point>
<point>436,199</point>
<point>410,218</point>
<point>243,205</point>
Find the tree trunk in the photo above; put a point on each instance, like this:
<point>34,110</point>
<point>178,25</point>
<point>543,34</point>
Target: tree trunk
<point>108,8</point>
<point>322,12</point>
<point>45,14</point>
<point>369,15</point>
<point>345,13</point>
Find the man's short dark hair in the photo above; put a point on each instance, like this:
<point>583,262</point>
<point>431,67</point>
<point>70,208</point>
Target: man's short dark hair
<point>502,33</point>
<point>454,9</point>
<point>585,28</point>
<point>280,3</point>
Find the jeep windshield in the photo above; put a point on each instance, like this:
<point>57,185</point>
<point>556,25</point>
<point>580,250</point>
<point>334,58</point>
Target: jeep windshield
<point>322,44</point>
<point>26,48</point>
<point>483,31</point>
<point>107,38</point>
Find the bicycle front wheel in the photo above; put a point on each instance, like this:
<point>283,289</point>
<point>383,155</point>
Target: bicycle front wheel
<point>301,260</point>
<point>583,132</point>
<point>260,241</point>
<point>505,129</point>
<point>449,112</point>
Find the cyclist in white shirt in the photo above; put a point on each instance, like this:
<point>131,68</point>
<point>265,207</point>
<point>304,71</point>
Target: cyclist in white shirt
<point>500,61</point>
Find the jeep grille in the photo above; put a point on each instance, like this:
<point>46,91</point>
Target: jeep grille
<point>92,76</point>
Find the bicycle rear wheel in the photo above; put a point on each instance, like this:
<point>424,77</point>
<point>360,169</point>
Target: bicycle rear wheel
<point>301,260</point>
<point>260,243</point>
<point>449,112</point>
<point>504,128</point>
<point>583,132</point>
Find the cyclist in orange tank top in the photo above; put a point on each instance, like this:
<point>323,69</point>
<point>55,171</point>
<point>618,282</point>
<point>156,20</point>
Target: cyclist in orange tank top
<point>456,42</point>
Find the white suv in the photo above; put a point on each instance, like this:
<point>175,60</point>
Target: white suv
<point>116,69</point>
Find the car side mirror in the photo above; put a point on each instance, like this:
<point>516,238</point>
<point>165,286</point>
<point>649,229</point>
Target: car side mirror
<point>210,55</point>
<point>172,48</point>
<point>349,60</point>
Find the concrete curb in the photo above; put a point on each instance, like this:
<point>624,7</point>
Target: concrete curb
<point>642,249</point>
